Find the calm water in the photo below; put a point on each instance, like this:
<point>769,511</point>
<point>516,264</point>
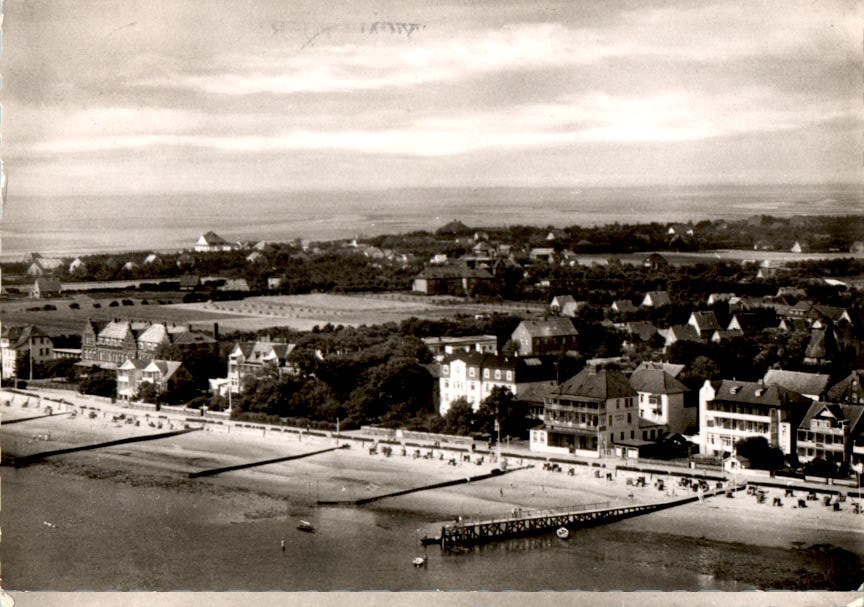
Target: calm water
<point>114,535</point>
<point>71,225</point>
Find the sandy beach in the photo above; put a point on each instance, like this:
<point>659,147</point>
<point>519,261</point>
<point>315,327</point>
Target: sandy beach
<point>151,480</point>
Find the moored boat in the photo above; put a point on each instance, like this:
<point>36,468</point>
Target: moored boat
<point>306,526</point>
<point>563,533</point>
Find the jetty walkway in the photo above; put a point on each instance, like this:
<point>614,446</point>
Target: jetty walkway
<point>461,535</point>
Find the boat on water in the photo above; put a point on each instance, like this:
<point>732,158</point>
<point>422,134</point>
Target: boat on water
<point>306,526</point>
<point>430,541</point>
<point>563,533</point>
<point>419,561</point>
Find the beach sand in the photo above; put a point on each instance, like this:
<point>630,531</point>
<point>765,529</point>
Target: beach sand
<point>268,496</point>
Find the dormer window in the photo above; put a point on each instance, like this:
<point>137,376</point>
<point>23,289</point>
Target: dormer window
<point>734,389</point>
<point>760,391</point>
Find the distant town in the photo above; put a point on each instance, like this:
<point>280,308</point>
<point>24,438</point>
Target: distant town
<point>738,345</point>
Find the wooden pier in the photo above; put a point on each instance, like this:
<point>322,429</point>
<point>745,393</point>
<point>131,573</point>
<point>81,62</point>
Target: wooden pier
<point>462,535</point>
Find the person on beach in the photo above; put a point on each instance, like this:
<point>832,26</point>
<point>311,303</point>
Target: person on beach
<point>283,545</point>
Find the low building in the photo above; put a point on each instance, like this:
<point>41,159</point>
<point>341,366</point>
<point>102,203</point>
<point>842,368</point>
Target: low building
<point>18,343</point>
<point>473,376</point>
<point>43,266</point>
<point>705,323</point>
<point>549,336</point>
<point>211,242</point>
<point>572,308</point>
<point>822,348</point>
<point>441,346</point>
<point>656,299</point>
<point>679,333</point>
<point>45,286</point>
<point>588,414</point>
<point>450,279</point>
<point>559,301</point>
<point>731,410</point>
<point>623,306</point>
<point>641,330</point>
<point>663,406</point>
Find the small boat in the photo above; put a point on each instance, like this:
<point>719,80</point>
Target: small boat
<point>430,541</point>
<point>306,526</point>
<point>419,561</point>
<point>563,533</point>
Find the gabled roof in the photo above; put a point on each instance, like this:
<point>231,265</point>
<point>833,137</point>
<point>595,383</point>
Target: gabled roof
<point>851,414</point>
<point>623,305</point>
<point>850,389</point>
<point>560,300</point>
<point>656,299</point>
<point>643,329</point>
<point>598,385</point>
<point>525,368</point>
<point>134,363</point>
<point>155,333</point>
<point>166,368</point>
<point>802,383</point>
<point>571,308</point>
<point>20,336</point>
<point>656,381</point>
<point>212,238</point>
<point>681,333</point>
<point>259,352</point>
<point>705,321</point>
<point>670,368</point>
<point>535,392</point>
<point>116,330</point>
<point>551,327</point>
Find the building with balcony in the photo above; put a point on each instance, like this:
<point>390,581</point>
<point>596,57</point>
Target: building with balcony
<point>664,403</point>
<point>134,372</point>
<point>731,410</point>
<point>829,431</point>
<point>18,344</point>
<point>473,376</point>
<point>588,414</point>
<point>256,359</point>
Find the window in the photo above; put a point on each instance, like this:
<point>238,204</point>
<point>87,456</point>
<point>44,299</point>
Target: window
<point>497,373</point>
<point>485,373</point>
<point>622,436</point>
<point>509,375</point>
<point>630,419</point>
<point>471,372</point>
<point>632,434</point>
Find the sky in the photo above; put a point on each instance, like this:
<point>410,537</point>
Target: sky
<point>161,96</point>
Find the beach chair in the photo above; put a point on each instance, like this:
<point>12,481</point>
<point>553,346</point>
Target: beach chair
<point>789,493</point>
<point>802,503</point>
<point>777,502</point>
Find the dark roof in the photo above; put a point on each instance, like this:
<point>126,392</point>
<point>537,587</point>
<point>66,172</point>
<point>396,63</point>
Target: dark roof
<point>551,327</point>
<point>659,298</point>
<point>213,238</point>
<point>527,368</point>
<point>802,383</point>
<point>849,389</point>
<point>453,271</point>
<point>822,344</point>
<point>683,333</point>
<point>672,369</point>
<point>20,336</point>
<point>756,393</point>
<point>598,385</point>
<point>706,321</point>
<point>643,329</point>
<point>189,338</point>
<point>656,381</point>
<point>47,284</point>
<point>851,414</point>
<point>535,392</point>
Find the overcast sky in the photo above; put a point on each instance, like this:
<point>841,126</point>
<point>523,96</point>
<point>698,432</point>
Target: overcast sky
<point>191,95</point>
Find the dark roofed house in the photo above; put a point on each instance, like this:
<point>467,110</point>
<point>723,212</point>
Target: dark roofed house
<point>680,333</point>
<point>731,410</point>
<point>623,306</point>
<point>655,261</point>
<point>559,301</point>
<point>590,412</point>
<point>545,336</point>
<point>656,299</point>
<point>829,432</point>
<point>45,286</point>
<point>811,385</point>
<point>450,279</point>
<point>662,404</point>
<point>751,322</point>
<point>642,330</point>
<point>705,323</point>
<point>849,390</point>
<point>211,242</point>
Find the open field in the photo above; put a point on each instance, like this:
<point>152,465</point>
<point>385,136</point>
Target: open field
<point>727,255</point>
<point>65,320</point>
<point>303,312</point>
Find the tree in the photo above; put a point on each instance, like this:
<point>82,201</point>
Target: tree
<point>459,418</point>
<point>99,382</point>
<point>762,456</point>
<point>148,393</point>
<point>500,405</point>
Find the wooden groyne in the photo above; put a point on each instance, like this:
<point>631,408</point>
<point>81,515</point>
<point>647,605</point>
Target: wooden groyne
<point>214,471</point>
<point>461,535</point>
<point>35,457</point>
<point>461,481</point>
<point>27,419</point>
